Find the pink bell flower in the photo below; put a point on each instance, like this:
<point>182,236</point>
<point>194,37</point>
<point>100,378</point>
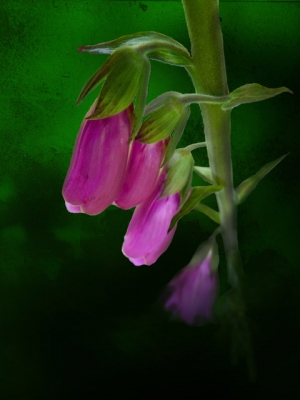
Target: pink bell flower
<point>192,293</point>
<point>142,173</point>
<point>147,235</point>
<point>97,169</point>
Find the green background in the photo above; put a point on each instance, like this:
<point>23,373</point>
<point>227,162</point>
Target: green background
<point>77,319</point>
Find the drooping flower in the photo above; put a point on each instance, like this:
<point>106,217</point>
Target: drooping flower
<point>98,165</point>
<point>192,293</point>
<point>147,235</point>
<point>142,173</point>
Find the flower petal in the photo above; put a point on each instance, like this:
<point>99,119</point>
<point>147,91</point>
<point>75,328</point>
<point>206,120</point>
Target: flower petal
<point>72,209</point>
<point>97,169</point>
<point>193,292</point>
<point>147,235</point>
<point>142,173</point>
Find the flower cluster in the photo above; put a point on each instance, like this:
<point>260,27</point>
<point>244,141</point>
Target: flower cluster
<point>106,168</point>
<point>120,159</point>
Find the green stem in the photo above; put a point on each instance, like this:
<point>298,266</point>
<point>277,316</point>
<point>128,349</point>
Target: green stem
<point>202,98</point>
<point>209,77</point>
<point>208,73</point>
<point>195,146</point>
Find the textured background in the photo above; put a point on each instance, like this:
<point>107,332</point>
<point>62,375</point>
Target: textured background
<point>77,319</point>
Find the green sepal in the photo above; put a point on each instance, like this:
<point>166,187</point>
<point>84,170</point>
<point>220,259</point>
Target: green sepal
<point>162,100</point>
<point>209,212</point>
<point>178,172</point>
<point>176,135</point>
<point>99,75</point>
<point>155,45</point>
<point>170,54</point>
<point>209,247</point>
<point>204,173</point>
<point>161,122</point>
<point>132,40</point>
<point>251,93</point>
<point>184,194</point>
<point>120,86</point>
<point>197,194</point>
<point>214,256</point>
<point>247,186</point>
<point>141,96</point>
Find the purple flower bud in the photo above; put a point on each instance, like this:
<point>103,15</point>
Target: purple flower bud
<point>142,173</point>
<point>193,292</point>
<point>147,235</point>
<point>97,169</point>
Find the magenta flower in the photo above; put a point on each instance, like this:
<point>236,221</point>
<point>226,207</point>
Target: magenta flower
<point>193,292</point>
<point>97,169</point>
<point>142,173</point>
<point>147,235</point>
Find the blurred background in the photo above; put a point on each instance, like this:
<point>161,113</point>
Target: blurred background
<point>77,319</point>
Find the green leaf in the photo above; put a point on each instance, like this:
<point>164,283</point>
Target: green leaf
<point>176,136</point>
<point>120,86</point>
<point>204,173</point>
<point>178,172</point>
<point>251,93</point>
<point>161,123</point>
<point>247,186</point>
<point>155,45</point>
<point>209,212</point>
<point>197,194</point>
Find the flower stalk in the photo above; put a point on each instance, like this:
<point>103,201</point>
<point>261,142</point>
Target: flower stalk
<point>208,74</point>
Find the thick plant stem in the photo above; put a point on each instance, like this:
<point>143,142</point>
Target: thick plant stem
<point>208,73</point>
